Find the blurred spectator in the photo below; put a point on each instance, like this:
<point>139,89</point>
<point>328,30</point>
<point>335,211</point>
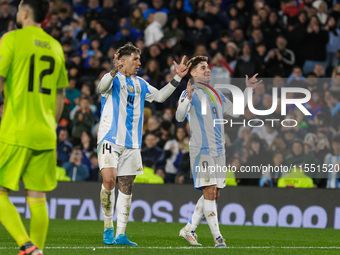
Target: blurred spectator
<point>258,155</point>
<point>72,93</point>
<point>136,18</point>
<point>336,78</point>
<point>156,6</point>
<point>68,34</point>
<point>153,71</point>
<point>238,36</point>
<point>177,10</point>
<point>153,32</point>
<point>6,15</point>
<point>173,154</point>
<point>64,16</point>
<point>152,153</point>
<point>199,33</point>
<point>184,164</point>
<point>174,35</point>
<point>247,64</point>
<point>220,70</point>
<point>87,145</point>
<point>166,134</point>
<point>64,147</point>
<point>321,8</point>
<point>83,119</point>
<point>216,18</point>
<point>298,155</point>
<point>315,104</point>
<point>267,132</point>
<point>332,101</point>
<point>256,23</point>
<point>279,60</point>
<point>153,125</point>
<point>94,170</point>
<point>272,29</point>
<point>333,46</point>
<point>296,36</point>
<point>314,46</point>
<point>106,38</point>
<point>296,75</point>
<point>74,168</point>
<point>93,11</point>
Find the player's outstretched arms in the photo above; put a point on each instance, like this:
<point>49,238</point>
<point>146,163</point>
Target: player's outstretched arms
<point>184,103</point>
<point>59,103</point>
<point>181,70</point>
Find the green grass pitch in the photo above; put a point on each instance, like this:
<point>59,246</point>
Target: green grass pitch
<point>85,237</point>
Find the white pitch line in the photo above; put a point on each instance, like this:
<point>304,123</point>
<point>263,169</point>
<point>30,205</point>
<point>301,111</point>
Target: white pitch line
<point>179,248</point>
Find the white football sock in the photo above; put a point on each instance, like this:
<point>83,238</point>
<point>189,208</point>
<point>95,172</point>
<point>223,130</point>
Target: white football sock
<point>197,216</point>
<point>107,199</point>
<point>210,213</point>
<point>123,210</point>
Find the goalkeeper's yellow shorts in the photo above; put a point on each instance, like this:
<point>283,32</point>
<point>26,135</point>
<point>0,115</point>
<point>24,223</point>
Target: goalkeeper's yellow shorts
<point>37,169</point>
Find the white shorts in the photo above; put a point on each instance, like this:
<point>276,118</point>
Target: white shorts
<point>207,171</point>
<point>128,161</point>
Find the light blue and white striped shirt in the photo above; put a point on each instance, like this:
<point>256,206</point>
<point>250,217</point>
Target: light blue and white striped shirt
<point>206,138</point>
<point>332,163</point>
<point>122,105</point>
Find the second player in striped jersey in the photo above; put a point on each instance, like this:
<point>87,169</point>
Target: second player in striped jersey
<point>206,146</point>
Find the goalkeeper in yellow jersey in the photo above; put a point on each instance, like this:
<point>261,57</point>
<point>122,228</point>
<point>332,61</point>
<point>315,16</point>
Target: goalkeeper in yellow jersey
<point>32,77</point>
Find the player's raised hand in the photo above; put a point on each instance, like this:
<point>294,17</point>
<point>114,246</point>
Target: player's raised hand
<point>117,64</point>
<point>189,90</point>
<point>253,82</point>
<point>181,69</point>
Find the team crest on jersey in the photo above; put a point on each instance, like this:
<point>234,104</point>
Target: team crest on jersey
<point>211,100</point>
<point>131,90</point>
<point>138,89</point>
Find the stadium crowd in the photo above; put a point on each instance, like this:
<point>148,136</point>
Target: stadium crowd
<point>295,43</point>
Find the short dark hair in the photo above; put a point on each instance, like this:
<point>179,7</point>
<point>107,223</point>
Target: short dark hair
<point>195,61</point>
<point>127,50</point>
<point>39,7</point>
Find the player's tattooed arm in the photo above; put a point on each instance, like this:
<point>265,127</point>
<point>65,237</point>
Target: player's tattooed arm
<point>126,184</point>
<point>59,103</point>
<point>117,64</point>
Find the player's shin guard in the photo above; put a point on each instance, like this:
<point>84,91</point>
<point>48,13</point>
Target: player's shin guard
<point>197,215</point>
<point>123,211</point>
<point>107,199</point>
<point>10,219</point>
<point>39,221</point>
<point>210,213</point>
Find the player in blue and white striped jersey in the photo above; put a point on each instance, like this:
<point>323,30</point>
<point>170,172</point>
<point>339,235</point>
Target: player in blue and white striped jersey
<point>120,134</point>
<point>332,162</point>
<point>206,144</point>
